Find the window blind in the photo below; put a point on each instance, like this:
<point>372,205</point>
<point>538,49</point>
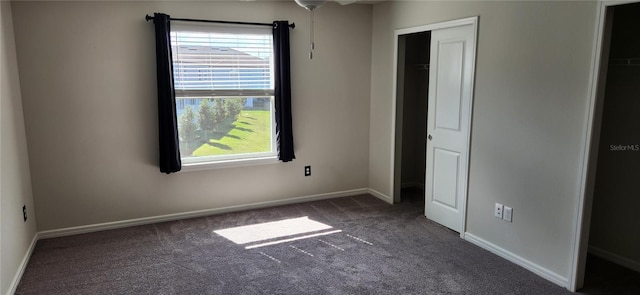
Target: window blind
<point>215,61</point>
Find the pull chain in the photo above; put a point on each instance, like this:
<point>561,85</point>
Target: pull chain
<point>311,37</point>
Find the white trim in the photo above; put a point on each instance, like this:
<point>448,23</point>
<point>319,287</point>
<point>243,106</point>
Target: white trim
<point>473,21</point>
<point>593,84</point>
<point>189,167</point>
<point>394,102</point>
<point>616,2</point>
<point>580,224</point>
<point>615,258</point>
<point>441,25</point>
<point>192,214</point>
<point>534,268</point>
<point>463,207</point>
<point>23,265</point>
<point>380,195</point>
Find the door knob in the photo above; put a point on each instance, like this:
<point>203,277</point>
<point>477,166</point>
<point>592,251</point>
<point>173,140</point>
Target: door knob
<point>429,137</point>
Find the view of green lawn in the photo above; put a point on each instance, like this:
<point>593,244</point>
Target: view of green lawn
<point>250,133</point>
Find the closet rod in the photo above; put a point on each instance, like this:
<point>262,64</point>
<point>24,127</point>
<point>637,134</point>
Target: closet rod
<point>624,62</point>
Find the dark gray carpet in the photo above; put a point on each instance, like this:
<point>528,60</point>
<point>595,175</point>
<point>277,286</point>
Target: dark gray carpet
<point>382,249</point>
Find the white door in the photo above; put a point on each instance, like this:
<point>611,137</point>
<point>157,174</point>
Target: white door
<point>448,124</point>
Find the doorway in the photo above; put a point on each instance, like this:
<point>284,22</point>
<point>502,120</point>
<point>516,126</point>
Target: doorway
<point>411,113</point>
<point>434,70</point>
<point>607,256</point>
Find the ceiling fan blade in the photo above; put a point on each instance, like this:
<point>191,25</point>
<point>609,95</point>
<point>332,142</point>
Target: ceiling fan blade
<point>311,4</point>
<point>346,2</point>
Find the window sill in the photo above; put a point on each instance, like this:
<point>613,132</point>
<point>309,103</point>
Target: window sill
<point>228,164</point>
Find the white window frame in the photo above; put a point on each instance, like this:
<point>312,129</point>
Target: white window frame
<point>230,160</point>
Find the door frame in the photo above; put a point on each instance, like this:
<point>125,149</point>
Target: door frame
<point>396,143</point>
<point>589,153</point>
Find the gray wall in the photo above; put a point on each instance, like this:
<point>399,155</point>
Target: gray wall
<point>15,181</point>
<point>88,84</point>
<point>530,103</point>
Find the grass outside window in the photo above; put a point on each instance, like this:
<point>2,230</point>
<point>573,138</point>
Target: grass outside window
<point>250,133</point>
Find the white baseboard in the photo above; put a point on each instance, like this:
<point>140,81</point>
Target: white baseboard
<point>380,195</point>
<point>23,265</point>
<point>535,268</point>
<point>185,215</point>
<point>615,258</point>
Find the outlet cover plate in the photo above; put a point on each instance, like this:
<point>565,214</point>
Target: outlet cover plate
<point>507,214</point>
<point>307,170</point>
<point>498,211</point>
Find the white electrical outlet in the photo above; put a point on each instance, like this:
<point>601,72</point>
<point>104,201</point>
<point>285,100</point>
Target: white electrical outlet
<point>507,214</point>
<point>498,211</point>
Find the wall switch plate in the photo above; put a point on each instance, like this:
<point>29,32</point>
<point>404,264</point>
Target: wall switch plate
<point>307,170</point>
<point>507,214</point>
<point>498,211</point>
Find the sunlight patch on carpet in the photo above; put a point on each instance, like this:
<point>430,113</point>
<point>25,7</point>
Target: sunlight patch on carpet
<point>287,230</point>
<point>293,239</point>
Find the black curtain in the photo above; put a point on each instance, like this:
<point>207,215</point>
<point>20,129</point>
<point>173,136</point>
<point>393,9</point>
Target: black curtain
<point>167,120</point>
<point>284,129</point>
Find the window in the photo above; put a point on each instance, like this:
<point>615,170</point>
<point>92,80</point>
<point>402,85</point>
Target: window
<point>224,88</point>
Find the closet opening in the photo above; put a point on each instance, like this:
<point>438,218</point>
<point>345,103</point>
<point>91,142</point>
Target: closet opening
<point>412,91</point>
<point>613,259</point>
